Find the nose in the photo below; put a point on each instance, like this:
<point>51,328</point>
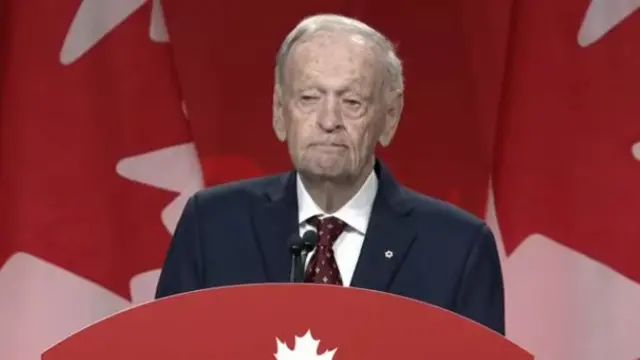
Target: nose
<point>330,118</point>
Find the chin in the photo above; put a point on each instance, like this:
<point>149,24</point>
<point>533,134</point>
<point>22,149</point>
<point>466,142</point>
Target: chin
<point>327,167</point>
<point>324,173</point>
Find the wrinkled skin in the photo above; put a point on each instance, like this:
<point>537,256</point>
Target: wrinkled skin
<point>334,105</point>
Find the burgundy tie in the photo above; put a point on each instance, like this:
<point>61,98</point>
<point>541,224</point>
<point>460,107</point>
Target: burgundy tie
<point>322,267</point>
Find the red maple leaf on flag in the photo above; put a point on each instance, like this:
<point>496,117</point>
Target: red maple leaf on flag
<point>64,129</point>
<point>566,181</point>
<point>566,166</point>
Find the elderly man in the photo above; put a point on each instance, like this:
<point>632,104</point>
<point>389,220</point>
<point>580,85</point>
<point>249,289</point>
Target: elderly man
<point>338,93</point>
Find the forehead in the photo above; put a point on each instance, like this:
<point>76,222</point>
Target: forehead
<point>333,57</point>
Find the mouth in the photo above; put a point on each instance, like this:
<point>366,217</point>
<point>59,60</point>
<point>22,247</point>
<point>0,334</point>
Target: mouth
<point>328,146</point>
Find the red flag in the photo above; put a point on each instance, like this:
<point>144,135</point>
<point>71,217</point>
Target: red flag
<point>94,150</point>
<point>566,179</point>
<point>91,117</point>
<point>453,76</point>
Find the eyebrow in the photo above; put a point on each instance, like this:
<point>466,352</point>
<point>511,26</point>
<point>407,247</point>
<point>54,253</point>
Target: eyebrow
<point>340,91</point>
<point>350,85</point>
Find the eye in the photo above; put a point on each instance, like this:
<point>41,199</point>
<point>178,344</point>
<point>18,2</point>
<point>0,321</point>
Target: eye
<point>352,103</point>
<point>308,98</point>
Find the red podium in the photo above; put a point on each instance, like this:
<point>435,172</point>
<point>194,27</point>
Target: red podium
<point>285,322</point>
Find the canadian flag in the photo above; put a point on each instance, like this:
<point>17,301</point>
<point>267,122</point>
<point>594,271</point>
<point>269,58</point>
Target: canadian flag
<point>565,182</point>
<point>97,158</point>
<point>96,163</point>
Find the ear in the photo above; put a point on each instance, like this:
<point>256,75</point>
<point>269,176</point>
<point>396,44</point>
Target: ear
<point>278,120</point>
<point>392,117</point>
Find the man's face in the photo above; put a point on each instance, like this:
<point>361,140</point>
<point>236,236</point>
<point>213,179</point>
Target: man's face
<point>331,105</point>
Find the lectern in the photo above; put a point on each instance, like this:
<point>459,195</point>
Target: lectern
<point>285,322</point>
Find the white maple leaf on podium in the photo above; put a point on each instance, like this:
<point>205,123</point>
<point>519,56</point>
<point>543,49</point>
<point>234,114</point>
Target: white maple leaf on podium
<point>602,16</point>
<point>305,348</point>
<point>561,304</point>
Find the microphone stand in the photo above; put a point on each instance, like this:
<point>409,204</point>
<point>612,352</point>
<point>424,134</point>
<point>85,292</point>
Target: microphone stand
<point>300,247</point>
<point>297,262</point>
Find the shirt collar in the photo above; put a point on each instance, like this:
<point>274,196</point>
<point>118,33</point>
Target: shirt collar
<point>355,212</point>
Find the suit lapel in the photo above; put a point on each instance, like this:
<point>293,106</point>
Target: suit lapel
<point>389,235</point>
<point>275,221</point>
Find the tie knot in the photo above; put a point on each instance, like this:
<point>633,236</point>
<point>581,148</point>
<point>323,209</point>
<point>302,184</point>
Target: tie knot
<point>329,229</point>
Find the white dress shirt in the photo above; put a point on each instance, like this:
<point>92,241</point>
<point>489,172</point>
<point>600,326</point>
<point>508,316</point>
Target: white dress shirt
<point>355,213</point>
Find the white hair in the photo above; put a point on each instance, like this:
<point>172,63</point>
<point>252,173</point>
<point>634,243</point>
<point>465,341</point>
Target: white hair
<point>315,23</point>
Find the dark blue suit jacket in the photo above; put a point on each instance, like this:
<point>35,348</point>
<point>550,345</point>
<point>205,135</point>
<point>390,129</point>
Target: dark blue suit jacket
<point>238,234</point>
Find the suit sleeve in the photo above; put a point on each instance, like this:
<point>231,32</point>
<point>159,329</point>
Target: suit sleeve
<point>481,292</point>
<point>183,266</point>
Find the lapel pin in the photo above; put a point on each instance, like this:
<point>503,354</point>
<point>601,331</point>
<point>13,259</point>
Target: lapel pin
<point>388,254</point>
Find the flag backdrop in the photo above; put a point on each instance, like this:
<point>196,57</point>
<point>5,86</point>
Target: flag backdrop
<point>112,113</point>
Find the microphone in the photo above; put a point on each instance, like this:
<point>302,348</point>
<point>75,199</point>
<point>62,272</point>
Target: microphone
<point>309,242</point>
<point>300,247</point>
<point>296,246</point>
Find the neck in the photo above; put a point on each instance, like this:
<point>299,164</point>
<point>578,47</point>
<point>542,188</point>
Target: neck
<point>332,195</point>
